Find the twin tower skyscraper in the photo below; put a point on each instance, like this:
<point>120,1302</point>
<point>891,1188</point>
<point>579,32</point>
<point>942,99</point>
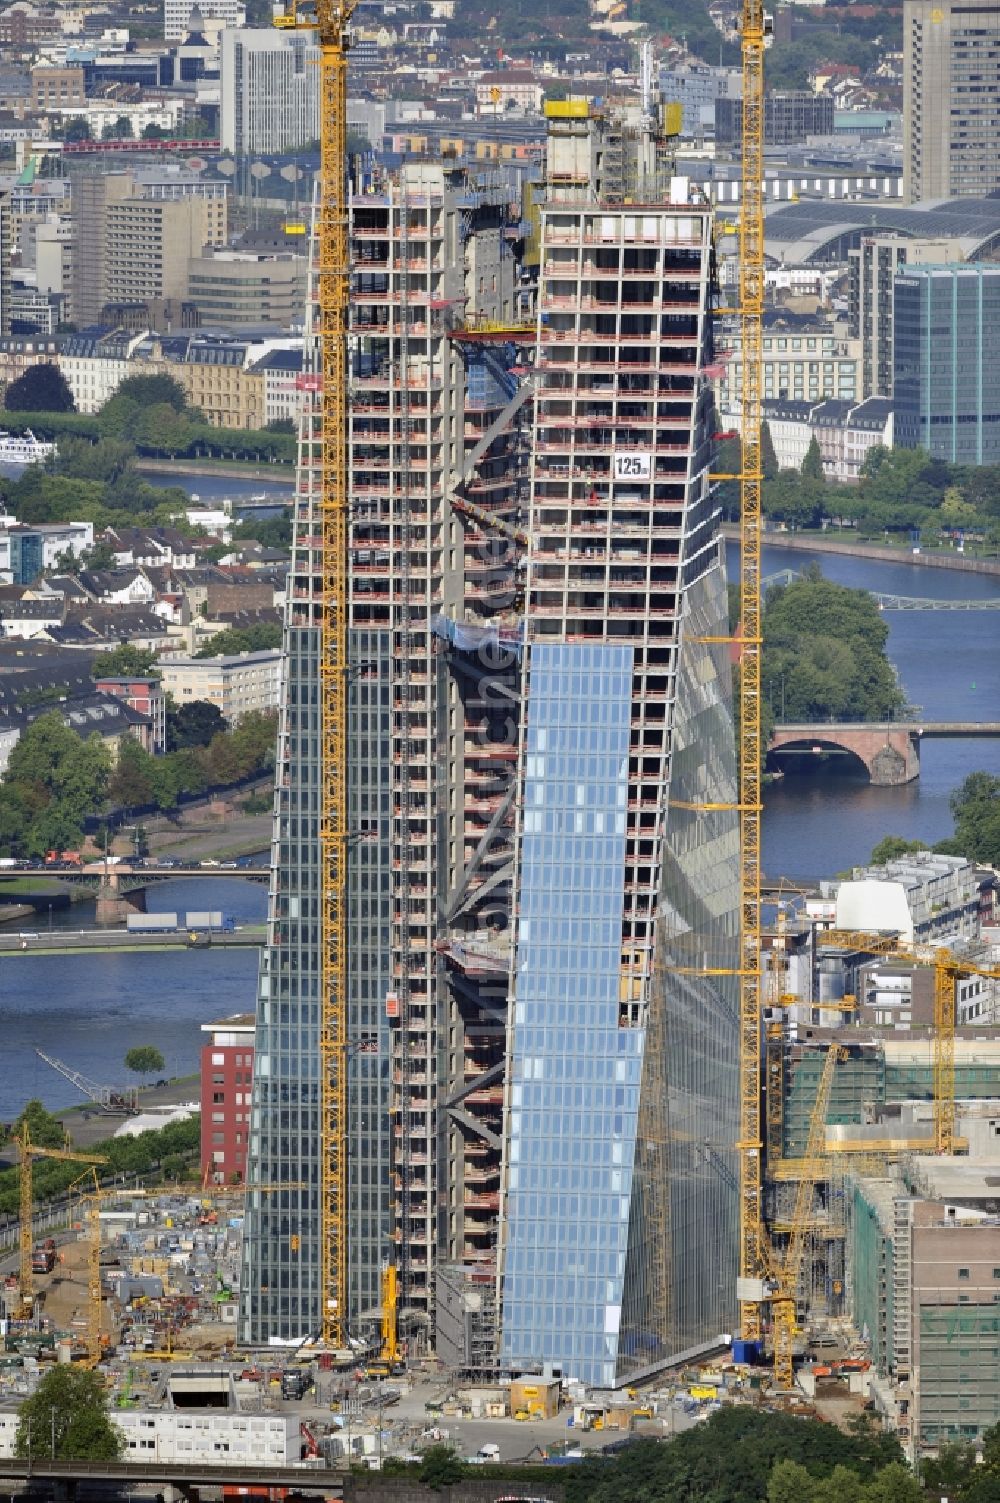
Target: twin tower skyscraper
<point>541,1073</point>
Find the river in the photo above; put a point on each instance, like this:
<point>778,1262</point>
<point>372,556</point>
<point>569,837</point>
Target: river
<point>88,1010</point>
<point>827,817</point>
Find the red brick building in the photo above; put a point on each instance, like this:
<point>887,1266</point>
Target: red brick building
<point>226,1087</point>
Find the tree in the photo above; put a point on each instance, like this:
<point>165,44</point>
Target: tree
<point>40,750</point>
<point>131,782</point>
<point>441,1466</point>
<point>43,1128</point>
<point>269,532</point>
<point>975,808</point>
<point>163,428</point>
<point>144,1060</point>
<point>77,129</point>
<point>768,458</point>
<point>263,636</point>
<point>80,781</point>
<point>891,847</point>
<point>151,391</point>
<point>812,465</point>
<point>789,1482</point>
<point>68,1406</point>
<point>125,661</point>
<point>42,388</point>
<point>192,725</point>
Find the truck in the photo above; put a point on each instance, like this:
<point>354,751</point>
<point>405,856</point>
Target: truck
<point>63,858</point>
<point>43,1256</point>
<point>209,918</point>
<point>151,923</point>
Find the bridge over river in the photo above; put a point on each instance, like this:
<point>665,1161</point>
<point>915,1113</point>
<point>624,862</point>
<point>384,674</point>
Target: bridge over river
<point>890,750</point>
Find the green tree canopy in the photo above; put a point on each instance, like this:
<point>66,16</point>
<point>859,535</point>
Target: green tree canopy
<point>144,1059</point>
<point>193,724</point>
<point>131,783</point>
<point>975,808</point>
<point>68,1405</point>
<point>891,847</point>
<point>824,653</point>
<point>43,1128</point>
<point>151,391</point>
<point>258,638</point>
<point>125,661</point>
<point>42,388</point>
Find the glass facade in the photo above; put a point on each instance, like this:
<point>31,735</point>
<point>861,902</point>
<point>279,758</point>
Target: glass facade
<point>574,1074</point>
<point>946,324</point>
<point>691,1069</point>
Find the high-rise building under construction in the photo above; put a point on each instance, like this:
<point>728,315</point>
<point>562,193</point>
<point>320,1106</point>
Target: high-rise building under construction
<point>542,1018</point>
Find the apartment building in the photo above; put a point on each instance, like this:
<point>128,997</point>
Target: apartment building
<point>804,360</point>
<point>237,684</point>
<point>951,89</point>
<point>96,365</point>
<point>519,1134</point>
<point>220,381</point>
<point>269,91</point>
<point>56,88</point>
<point>226,1092</point>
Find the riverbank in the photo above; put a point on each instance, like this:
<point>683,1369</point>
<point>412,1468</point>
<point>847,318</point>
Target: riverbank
<point>222,469</point>
<point>87,1124</point>
<point>822,542</point>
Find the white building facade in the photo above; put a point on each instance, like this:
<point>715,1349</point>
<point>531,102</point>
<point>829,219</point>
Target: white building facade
<point>269,91</point>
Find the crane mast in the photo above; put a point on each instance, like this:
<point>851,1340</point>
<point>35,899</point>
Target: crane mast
<point>752,1251</point>
<point>329,19</point>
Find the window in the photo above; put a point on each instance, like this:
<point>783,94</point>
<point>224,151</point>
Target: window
<point>963,1273</point>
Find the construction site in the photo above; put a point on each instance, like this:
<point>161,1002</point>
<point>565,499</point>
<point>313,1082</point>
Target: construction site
<point>558,1127</point>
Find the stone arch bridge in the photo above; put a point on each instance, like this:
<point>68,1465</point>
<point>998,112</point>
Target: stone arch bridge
<point>889,750</point>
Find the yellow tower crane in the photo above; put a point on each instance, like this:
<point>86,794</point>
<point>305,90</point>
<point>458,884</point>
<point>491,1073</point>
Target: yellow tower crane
<point>753,1240</point>
<point>948,969</point>
<point>330,19</point>
<point>28,1151</point>
<point>389,1351</point>
<point>786,1273</point>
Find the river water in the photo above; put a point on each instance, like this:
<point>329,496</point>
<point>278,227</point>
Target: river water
<point>825,818</point>
<point>89,1009</point>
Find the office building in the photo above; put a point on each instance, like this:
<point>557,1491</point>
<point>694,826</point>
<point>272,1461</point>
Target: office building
<point>247,287</point>
<point>520,1131</point>
<point>226,1091</point>
<point>789,117</point>
<point>946,384</point>
<point>696,87</point>
<point>6,249</point>
<point>951,99</point>
<point>422,242</point>
<point>149,246</point>
<point>805,359</point>
<point>269,91</point>
<point>925,1283</point>
<point>617,1241</point>
<point>873,266</point>
<point>136,232</point>
<point>211,14</point>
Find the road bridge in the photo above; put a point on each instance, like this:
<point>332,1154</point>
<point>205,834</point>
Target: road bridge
<point>119,887</point>
<point>314,1482</point>
<point>890,750</point>
<point>107,941</point>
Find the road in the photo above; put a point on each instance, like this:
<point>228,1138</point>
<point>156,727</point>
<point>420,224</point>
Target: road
<point>25,942</point>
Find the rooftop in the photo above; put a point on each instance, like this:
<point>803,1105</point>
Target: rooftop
<point>815,230</point>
